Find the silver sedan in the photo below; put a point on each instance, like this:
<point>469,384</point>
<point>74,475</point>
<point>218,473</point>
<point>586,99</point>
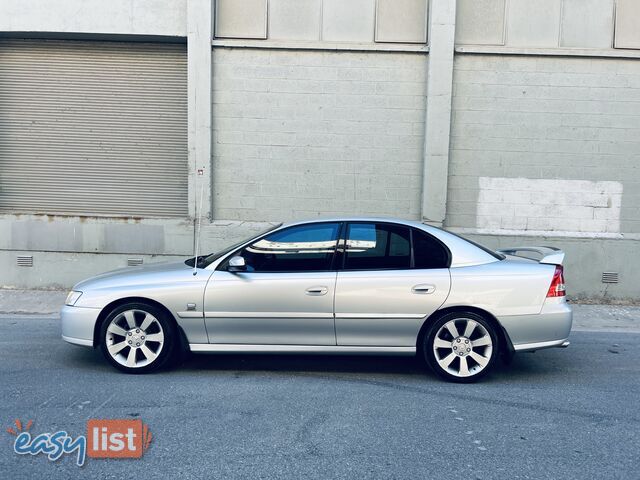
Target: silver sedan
<point>335,286</point>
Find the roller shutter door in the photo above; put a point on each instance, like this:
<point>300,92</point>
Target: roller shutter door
<point>93,128</point>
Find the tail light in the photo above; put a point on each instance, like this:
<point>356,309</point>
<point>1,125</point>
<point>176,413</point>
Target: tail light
<point>557,288</point>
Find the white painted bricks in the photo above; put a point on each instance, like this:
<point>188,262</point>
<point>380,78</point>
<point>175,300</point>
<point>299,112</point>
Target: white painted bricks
<point>563,206</point>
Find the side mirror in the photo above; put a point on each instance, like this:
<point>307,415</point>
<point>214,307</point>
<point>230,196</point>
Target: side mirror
<point>237,264</point>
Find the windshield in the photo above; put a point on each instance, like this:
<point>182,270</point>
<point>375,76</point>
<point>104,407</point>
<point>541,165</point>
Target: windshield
<point>205,260</point>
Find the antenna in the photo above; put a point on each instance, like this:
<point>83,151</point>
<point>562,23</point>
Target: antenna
<point>196,232</point>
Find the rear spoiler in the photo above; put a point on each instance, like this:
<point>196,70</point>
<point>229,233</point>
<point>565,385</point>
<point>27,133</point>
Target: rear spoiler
<point>550,255</point>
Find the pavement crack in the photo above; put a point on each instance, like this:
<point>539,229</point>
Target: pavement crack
<point>100,406</point>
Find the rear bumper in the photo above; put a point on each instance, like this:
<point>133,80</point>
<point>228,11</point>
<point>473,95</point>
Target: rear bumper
<point>78,324</point>
<point>550,328</point>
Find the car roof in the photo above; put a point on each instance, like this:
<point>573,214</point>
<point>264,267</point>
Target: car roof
<point>355,219</point>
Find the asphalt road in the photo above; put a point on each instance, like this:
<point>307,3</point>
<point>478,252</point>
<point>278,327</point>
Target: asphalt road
<point>570,413</point>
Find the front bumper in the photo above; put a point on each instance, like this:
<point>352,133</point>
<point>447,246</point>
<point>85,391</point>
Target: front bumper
<point>78,324</point>
<point>550,328</point>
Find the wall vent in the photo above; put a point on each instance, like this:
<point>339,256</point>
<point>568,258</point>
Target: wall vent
<point>609,277</point>
<point>25,260</point>
<point>134,262</point>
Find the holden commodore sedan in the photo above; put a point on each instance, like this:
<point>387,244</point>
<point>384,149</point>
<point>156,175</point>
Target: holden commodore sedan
<point>336,286</point>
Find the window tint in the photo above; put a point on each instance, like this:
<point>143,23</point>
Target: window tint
<point>296,249</point>
<point>428,252</point>
<point>374,246</point>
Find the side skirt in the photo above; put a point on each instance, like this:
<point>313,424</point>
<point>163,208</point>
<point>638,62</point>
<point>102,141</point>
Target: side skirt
<point>300,349</point>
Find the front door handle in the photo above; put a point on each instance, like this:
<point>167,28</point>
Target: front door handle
<point>423,288</point>
<point>316,291</point>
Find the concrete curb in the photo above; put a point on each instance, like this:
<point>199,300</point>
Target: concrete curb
<point>587,317</point>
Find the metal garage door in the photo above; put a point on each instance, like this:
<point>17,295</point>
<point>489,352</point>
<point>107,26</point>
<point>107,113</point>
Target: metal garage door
<point>93,128</point>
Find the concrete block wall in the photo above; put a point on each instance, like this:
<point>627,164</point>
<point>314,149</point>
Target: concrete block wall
<point>544,148</point>
<point>546,151</point>
<point>312,133</point>
<point>561,119</point>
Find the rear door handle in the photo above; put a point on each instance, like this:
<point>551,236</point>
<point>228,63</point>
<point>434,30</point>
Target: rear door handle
<point>423,288</point>
<point>316,291</point>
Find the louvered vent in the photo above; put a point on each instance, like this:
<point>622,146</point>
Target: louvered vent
<point>25,261</point>
<point>134,262</point>
<point>609,277</point>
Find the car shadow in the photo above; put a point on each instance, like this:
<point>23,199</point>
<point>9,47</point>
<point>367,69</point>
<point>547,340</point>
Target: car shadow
<point>407,365</point>
<point>85,359</point>
<point>542,365</point>
<point>523,367</point>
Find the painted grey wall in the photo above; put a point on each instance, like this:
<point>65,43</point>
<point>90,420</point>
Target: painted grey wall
<point>67,249</point>
<point>548,148</point>
<point>124,17</point>
<point>540,117</point>
<point>304,134</point>
<point>321,120</point>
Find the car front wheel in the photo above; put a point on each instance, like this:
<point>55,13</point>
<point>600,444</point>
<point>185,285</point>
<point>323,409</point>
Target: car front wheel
<point>137,338</point>
<point>461,347</point>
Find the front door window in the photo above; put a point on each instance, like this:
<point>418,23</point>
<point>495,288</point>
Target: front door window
<point>304,248</point>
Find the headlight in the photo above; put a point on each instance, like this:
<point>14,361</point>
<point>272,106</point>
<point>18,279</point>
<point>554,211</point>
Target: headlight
<point>72,298</point>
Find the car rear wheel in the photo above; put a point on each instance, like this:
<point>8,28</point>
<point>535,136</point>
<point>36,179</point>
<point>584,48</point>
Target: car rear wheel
<point>461,347</point>
<point>137,338</point>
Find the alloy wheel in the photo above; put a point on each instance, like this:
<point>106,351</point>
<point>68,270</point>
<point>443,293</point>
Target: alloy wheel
<point>134,338</point>
<point>462,347</point>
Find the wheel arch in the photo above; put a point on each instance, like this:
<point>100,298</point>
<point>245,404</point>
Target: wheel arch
<point>506,347</point>
<point>104,313</point>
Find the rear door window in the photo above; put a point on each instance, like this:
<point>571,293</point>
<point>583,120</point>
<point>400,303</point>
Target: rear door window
<point>377,246</point>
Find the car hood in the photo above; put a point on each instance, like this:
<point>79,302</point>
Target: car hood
<point>148,274</point>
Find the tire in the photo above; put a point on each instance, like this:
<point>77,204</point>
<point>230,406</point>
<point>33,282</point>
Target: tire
<point>465,357</point>
<point>138,338</point>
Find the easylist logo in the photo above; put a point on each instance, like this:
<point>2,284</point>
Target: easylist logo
<point>117,438</point>
<point>104,439</point>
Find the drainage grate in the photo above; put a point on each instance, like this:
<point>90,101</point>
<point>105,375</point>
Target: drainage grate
<point>25,260</point>
<point>134,262</point>
<point>609,277</point>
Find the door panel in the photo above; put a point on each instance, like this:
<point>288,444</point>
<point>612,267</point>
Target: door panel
<point>387,307</point>
<point>285,296</point>
<point>271,308</point>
